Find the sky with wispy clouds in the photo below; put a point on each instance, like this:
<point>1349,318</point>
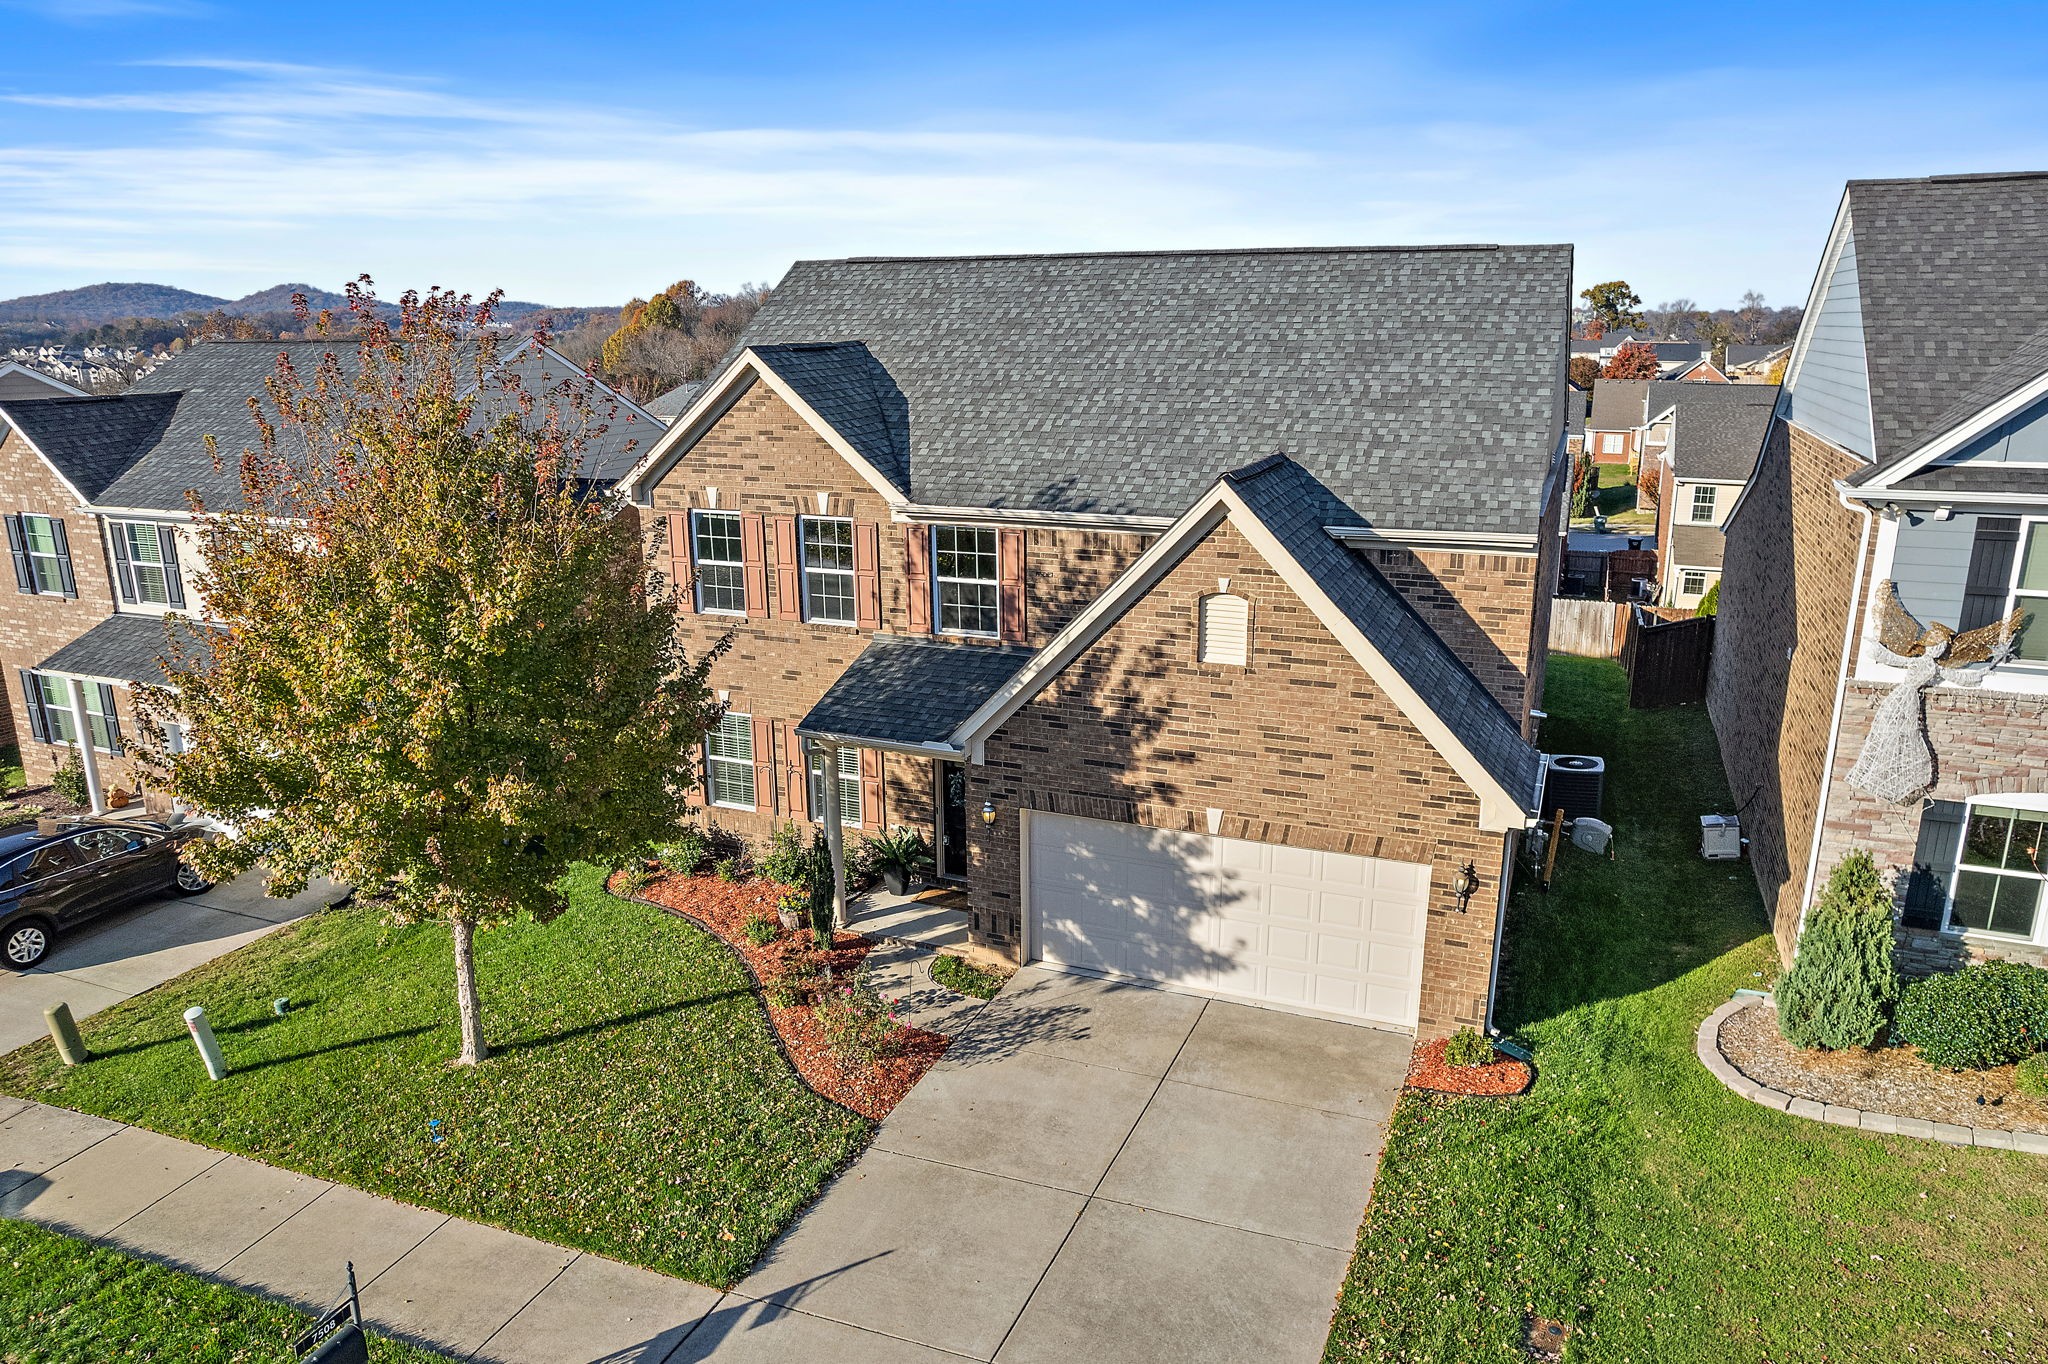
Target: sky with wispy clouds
<point>579,154</point>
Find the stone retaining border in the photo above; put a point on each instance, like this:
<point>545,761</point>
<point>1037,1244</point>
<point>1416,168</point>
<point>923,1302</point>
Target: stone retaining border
<point>1708,1045</point>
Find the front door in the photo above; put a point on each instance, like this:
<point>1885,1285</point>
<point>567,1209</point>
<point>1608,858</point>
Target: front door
<point>952,803</point>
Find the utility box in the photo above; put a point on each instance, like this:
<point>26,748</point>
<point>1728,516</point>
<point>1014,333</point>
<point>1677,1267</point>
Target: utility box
<point>1721,838</point>
<point>1591,834</point>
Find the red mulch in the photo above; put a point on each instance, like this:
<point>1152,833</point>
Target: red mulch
<point>724,907</point>
<point>1504,1075</point>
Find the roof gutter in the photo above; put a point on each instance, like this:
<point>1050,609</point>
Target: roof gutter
<point>943,752</point>
<point>1020,516</point>
<point>1469,541</point>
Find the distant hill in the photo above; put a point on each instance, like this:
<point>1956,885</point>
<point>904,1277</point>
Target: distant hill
<point>98,304</point>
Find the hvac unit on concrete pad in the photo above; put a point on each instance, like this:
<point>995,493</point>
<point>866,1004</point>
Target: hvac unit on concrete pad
<point>1575,783</point>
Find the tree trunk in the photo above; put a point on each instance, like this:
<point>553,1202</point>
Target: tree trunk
<point>474,1048</point>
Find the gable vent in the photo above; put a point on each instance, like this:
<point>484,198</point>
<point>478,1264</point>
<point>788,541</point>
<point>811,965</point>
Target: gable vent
<point>1225,629</point>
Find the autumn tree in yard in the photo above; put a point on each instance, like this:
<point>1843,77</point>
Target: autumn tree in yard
<point>1614,306</point>
<point>448,670</point>
<point>1583,370</point>
<point>1633,361</point>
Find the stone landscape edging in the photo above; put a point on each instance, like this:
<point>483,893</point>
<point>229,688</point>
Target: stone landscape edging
<point>1708,1046</point>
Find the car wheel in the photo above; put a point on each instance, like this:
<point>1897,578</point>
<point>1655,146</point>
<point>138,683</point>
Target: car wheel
<point>25,944</point>
<point>190,882</point>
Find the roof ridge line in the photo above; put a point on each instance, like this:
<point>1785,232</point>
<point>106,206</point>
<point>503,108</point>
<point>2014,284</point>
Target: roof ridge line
<point>1390,249</point>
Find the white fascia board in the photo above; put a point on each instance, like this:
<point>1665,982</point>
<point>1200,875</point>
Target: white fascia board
<point>1961,434</point>
<point>915,512</point>
<point>1830,253</point>
<point>1499,809</point>
<point>938,751</point>
<point>1467,541</point>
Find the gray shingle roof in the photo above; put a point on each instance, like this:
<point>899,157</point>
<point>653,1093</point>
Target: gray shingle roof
<point>1719,427</point>
<point>124,648</point>
<point>1296,508</point>
<point>1127,383</point>
<point>1954,278</point>
<point>1975,478</point>
<point>670,405</point>
<point>1749,355</point>
<point>1618,404</point>
<point>93,441</point>
<point>1697,546</point>
<point>907,690</point>
<point>847,386</point>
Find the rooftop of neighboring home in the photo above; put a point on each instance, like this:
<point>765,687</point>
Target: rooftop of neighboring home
<point>1697,546</point>
<point>24,381</point>
<point>146,448</point>
<point>672,404</point>
<point>1619,405</point>
<point>1740,355</point>
<point>1124,384</point>
<point>1718,428</point>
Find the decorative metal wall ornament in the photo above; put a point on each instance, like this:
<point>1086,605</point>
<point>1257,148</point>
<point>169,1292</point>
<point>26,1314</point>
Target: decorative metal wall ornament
<point>1897,762</point>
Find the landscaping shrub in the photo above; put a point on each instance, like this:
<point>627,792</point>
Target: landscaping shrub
<point>762,930</point>
<point>1467,1048</point>
<point>857,1024</point>
<point>724,845</point>
<point>786,858</point>
<point>1843,985</point>
<point>68,781</point>
<point>2031,1076</point>
<point>1710,604</point>
<point>729,869</point>
<point>633,879</point>
<point>1991,1014</point>
<point>964,977</point>
<point>818,882</point>
<point>793,979</point>
<point>687,853</point>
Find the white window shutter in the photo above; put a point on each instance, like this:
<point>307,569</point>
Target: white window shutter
<point>1225,635</point>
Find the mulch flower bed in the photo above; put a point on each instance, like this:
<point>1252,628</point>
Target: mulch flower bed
<point>1889,1080</point>
<point>724,908</point>
<point>1503,1076</point>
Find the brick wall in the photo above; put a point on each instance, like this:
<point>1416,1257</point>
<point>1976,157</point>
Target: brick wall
<point>33,628</point>
<point>1300,747</point>
<point>1789,568</point>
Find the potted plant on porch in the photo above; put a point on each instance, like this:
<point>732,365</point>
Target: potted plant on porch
<point>899,855</point>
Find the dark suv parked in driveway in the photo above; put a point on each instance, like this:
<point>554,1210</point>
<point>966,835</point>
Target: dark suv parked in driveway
<point>56,876</point>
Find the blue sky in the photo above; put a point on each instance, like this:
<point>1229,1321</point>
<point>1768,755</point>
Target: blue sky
<point>581,153</point>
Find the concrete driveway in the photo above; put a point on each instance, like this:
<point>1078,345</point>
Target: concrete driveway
<point>134,949</point>
<point>1097,1171</point>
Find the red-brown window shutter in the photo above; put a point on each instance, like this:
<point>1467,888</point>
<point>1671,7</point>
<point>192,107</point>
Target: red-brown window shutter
<point>871,788</point>
<point>789,596</point>
<point>1010,570</point>
<point>917,571</point>
<point>795,780</point>
<point>679,557</point>
<point>867,575</point>
<point>764,767</point>
<point>695,795</point>
<point>754,562</point>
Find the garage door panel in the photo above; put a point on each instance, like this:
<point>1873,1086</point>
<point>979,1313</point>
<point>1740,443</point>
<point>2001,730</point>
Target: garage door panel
<point>1329,931</point>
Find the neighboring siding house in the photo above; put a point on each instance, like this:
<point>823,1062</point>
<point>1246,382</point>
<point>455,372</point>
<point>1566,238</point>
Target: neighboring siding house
<point>1899,465</point>
<point>18,381</point>
<point>1708,436</point>
<point>1193,616</point>
<point>96,495</point>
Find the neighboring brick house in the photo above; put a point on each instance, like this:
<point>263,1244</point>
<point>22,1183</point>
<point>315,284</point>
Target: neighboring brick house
<point>1708,438</point>
<point>1926,469</point>
<point>1193,616</point>
<point>1619,420</point>
<point>95,497</point>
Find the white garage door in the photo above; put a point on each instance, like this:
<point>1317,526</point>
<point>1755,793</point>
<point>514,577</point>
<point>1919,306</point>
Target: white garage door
<point>1316,930</point>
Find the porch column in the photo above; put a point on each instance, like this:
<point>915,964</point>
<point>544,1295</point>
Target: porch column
<point>88,758</point>
<point>833,840</point>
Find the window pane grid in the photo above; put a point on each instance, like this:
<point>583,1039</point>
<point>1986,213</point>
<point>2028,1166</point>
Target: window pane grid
<point>2000,876</point>
<point>849,785</point>
<point>729,760</point>
<point>1703,504</point>
<point>966,575</point>
<point>828,570</point>
<point>721,570</point>
<point>40,537</point>
<point>146,562</point>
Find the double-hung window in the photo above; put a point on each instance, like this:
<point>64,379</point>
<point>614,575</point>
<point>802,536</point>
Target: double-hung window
<point>1703,498</point>
<point>146,562</point>
<point>2001,871</point>
<point>729,761</point>
<point>848,785</point>
<point>42,555</point>
<point>721,570</point>
<point>1692,582</point>
<point>2030,593</point>
<point>964,580</point>
<point>828,569</point>
<point>51,718</point>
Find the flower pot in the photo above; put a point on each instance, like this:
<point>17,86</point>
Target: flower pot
<point>792,919</point>
<point>897,880</point>
<point>118,799</point>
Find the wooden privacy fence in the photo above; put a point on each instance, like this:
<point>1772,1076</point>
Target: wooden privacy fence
<point>1666,660</point>
<point>1591,628</point>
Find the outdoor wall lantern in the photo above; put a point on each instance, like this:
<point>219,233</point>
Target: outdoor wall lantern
<point>988,812</point>
<point>1465,885</point>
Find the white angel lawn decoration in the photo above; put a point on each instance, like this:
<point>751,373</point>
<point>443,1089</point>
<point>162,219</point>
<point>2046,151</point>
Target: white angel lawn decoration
<point>1897,762</point>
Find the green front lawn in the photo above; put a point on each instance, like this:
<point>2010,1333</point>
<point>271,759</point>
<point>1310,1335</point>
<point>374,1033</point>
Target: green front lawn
<point>637,1107</point>
<point>1629,1194</point>
<point>62,1299</point>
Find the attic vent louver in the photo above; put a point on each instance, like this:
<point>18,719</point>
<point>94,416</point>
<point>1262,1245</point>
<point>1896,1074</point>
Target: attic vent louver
<point>1225,629</point>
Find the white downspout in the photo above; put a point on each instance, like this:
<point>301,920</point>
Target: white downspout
<point>87,758</point>
<point>1851,636</point>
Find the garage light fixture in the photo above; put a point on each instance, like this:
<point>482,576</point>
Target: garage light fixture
<point>988,812</point>
<point>1466,884</point>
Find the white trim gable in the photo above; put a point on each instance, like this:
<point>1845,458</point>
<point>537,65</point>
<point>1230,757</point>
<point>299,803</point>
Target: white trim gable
<point>65,390</point>
<point>1961,434</point>
<point>1499,808</point>
<point>716,400</point>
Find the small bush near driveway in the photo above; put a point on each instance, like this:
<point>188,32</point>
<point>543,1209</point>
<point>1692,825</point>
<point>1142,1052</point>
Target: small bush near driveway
<point>637,1106</point>
<point>964,977</point>
<point>1991,1014</point>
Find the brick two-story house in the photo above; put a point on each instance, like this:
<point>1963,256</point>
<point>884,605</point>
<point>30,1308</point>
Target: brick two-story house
<point>1193,615</point>
<point>1896,468</point>
<point>95,497</point>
